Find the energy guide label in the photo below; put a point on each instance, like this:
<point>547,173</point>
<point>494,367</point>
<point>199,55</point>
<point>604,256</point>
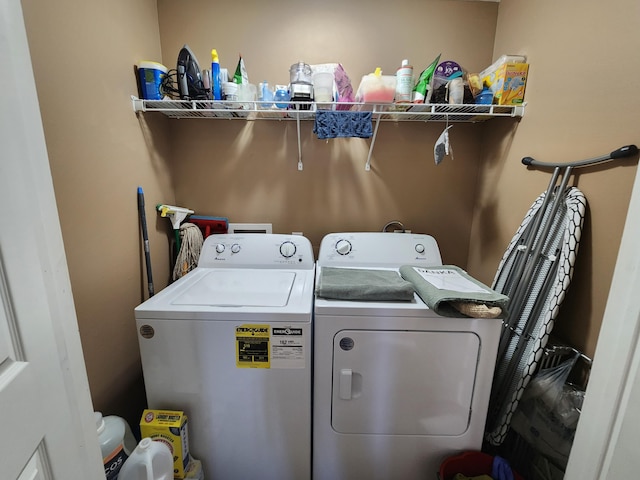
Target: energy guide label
<point>287,347</point>
<point>252,346</point>
<point>264,346</point>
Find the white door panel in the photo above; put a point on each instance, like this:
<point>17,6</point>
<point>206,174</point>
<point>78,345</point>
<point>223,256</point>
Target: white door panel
<point>47,422</point>
<point>34,470</point>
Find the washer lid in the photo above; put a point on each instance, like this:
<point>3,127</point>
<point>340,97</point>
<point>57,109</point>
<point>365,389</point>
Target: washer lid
<point>239,288</point>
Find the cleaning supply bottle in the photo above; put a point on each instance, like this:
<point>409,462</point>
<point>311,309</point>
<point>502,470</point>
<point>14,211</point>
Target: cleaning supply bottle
<point>151,460</point>
<point>216,84</point>
<point>404,83</point>
<point>116,443</point>
<point>421,92</point>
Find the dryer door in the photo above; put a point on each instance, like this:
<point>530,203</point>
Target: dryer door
<point>403,382</point>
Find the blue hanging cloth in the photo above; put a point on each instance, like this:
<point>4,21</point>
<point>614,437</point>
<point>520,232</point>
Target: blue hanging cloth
<point>330,124</point>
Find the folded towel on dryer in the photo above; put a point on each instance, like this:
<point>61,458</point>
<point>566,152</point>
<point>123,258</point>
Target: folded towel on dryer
<point>330,124</point>
<point>363,284</point>
<point>450,292</point>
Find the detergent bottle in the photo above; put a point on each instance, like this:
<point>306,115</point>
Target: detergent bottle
<point>116,443</point>
<point>151,460</point>
<point>216,84</point>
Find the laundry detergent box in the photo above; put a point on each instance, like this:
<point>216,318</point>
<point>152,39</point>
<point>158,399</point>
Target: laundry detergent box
<point>508,83</point>
<point>169,427</point>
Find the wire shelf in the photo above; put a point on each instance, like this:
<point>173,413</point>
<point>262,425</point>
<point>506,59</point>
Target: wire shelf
<point>306,110</point>
<point>300,111</point>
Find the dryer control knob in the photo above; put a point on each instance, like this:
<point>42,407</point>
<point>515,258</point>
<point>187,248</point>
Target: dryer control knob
<point>420,248</point>
<point>288,249</point>
<point>235,248</point>
<point>219,248</point>
<point>343,247</point>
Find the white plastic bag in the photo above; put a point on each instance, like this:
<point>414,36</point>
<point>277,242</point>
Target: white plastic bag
<point>548,413</point>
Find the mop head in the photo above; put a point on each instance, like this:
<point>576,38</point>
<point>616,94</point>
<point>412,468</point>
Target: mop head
<point>190,247</point>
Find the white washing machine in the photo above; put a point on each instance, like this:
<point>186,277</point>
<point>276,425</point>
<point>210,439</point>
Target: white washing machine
<point>396,387</point>
<point>230,344</point>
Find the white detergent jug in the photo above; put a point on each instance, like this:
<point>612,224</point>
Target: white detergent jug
<point>151,460</point>
<point>116,443</point>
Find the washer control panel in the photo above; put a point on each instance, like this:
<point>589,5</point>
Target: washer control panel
<point>377,249</point>
<point>256,250</point>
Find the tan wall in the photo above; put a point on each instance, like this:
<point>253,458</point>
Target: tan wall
<point>248,171</point>
<point>582,103</point>
<point>83,54</point>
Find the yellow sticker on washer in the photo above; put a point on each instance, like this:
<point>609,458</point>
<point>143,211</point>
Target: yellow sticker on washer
<point>252,346</point>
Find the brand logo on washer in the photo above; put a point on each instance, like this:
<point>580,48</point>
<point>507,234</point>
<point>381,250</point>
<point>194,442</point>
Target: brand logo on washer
<point>146,331</point>
<point>287,331</point>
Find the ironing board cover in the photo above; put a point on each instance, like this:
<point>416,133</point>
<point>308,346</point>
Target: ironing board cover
<point>564,239</point>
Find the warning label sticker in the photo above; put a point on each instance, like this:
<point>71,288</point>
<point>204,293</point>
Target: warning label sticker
<point>287,344</point>
<point>252,346</point>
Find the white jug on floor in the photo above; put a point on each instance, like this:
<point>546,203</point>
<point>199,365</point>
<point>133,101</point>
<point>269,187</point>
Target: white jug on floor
<point>150,460</point>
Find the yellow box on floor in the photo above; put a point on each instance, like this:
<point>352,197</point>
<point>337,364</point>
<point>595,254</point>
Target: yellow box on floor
<point>169,427</point>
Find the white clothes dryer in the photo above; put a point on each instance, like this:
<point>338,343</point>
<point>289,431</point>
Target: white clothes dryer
<point>397,388</point>
<point>230,345</point>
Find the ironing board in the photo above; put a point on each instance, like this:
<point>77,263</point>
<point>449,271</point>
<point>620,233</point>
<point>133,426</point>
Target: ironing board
<point>528,327</point>
<point>535,273</point>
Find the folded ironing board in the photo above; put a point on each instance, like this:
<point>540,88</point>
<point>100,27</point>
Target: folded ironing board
<point>450,292</point>
<point>362,284</point>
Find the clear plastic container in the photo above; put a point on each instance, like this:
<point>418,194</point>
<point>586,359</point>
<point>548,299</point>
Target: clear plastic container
<point>116,442</point>
<point>151,460</point>
<point>300,73</point>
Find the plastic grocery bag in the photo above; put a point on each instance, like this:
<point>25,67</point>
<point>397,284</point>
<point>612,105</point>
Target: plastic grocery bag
<point>548,413</point>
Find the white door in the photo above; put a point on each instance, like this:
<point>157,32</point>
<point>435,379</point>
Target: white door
<point>45,406</point>
<point>606,441</point>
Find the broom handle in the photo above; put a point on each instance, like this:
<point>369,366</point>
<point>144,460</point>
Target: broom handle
<point>145,237</point>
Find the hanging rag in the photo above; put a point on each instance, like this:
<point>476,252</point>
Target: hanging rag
<point>442,147</point>
<point>330,124</point>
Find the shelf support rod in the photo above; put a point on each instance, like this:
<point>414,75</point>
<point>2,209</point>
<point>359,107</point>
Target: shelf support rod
<point>367,167</point>
<point>299,146</point>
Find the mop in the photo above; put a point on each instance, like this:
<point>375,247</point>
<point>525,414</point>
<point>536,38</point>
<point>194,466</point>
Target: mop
<point>145,237</point>
<point>190,248</point>
<point>176,215</point>
<point>188,239</point>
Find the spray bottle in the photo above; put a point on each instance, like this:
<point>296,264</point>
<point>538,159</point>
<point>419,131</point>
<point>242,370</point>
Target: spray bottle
<point>215,75</point>
<point>176,215</point>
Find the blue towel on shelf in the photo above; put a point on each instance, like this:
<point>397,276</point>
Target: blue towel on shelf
<point>330,124</point>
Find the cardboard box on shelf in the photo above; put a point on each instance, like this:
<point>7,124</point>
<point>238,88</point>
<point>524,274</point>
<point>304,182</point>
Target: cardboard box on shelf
<point>169,427</point>
<point>508,83</point>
